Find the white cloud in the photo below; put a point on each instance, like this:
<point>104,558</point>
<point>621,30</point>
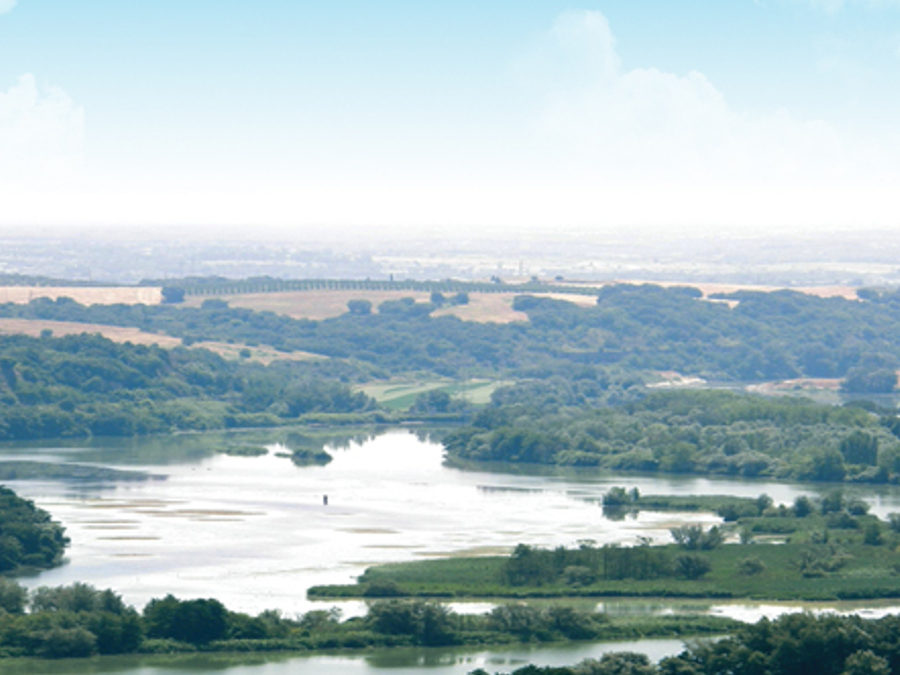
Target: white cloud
<point>41,134</point>
<point>7,5</point>
<point>646,122</point>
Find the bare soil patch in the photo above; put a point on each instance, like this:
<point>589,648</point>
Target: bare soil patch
<point>800,383</point>
<point>34,328</point>
<point>485,308</point>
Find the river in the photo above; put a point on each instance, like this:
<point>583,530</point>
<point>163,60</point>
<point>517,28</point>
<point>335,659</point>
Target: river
<point>254,531</point>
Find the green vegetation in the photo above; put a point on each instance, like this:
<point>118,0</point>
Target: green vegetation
<point>765,336</point>
<point>796,644</point>
<point>685,431</point>
<point>88,385</point>
<point>28,538</point>
<point>78,620</point>
<point>831,550</point>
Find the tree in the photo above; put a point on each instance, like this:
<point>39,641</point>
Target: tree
<point>428,623</point>
<point>172,294</point>
<point>693,537</point>
<point>12,597</point>
<point>750,566</point>
<point>195,621</point>
<point>691,566</point>
<point>859,448</point>
<point>359,307</point>
<point>803,506</point>
<point>862,380</point>
<point>866,662</point>
<point>461,298</point>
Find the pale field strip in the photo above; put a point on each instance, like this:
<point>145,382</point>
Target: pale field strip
<point>476,391</point>
<point>84,295</point>
<point>321,304</point>
<point>122,334</point>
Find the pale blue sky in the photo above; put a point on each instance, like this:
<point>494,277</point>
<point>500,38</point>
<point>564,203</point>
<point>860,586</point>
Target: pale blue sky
<point>290,115</point>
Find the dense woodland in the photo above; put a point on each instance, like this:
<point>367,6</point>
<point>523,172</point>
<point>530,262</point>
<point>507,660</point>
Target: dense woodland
<point>88,385</point>
<point>28,538</point>
<point>691,431</point>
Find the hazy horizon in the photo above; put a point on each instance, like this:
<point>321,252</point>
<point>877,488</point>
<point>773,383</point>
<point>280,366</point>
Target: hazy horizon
<point>289,120</point>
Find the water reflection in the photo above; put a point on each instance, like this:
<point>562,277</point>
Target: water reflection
<point>254,532</point>
<point>394,661</point>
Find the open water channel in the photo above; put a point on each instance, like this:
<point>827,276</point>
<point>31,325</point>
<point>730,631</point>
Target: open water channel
<point>254,533</point>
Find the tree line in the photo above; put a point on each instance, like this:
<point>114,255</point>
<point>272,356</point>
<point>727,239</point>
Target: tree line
<point>686,431</point>
<point>79,620</point>
<point>794,644</point>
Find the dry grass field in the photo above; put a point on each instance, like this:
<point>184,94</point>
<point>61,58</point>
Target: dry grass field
<point>316,305</point>
<point>324,304</point>
<point>34,327</point>
<point>85,295</point>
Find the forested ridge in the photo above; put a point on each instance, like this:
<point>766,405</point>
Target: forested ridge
<point>81,385</point>
<point>775,335</point>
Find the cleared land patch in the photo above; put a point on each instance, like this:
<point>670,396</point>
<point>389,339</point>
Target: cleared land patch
<point>122,334</point>
<point>401,395</point>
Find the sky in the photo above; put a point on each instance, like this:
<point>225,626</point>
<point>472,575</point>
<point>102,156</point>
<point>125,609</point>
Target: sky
<point>293,118</point>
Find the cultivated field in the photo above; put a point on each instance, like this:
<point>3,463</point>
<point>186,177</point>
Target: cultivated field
<point>34,328</point>
<point>401,395</point>
<point>85,295</point>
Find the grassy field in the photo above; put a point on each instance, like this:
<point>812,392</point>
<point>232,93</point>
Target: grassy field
<point>869,573</point>
<point>34,328</point>
<point>816,559</point>
<point>401,395</point>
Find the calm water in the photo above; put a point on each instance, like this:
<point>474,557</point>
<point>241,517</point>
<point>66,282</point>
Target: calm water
<point>379,662</point>
<point>254,533</point>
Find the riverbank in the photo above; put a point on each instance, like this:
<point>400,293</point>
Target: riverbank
<point>80,621</point>
<point>829,550</point>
